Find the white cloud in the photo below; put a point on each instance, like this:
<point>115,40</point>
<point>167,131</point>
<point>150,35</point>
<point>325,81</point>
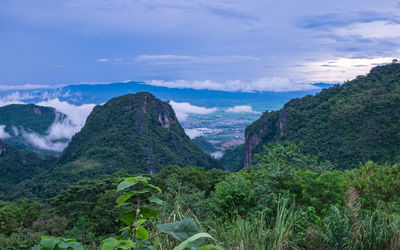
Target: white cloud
<point>274,84</point>
<point>340,69</point>
<point>3,133</point>
<point>76,114</point>
<point>177,59</point>
<point>217,154</point>
<point>107,60</point>
<point>63,128</point>
<point>60,132</point>
<point>103,60</point>
<point>43,142</point>
<point>193,133</point>
<point>183,109</point>
<point>14,98</point>
<point>371,30</point>
<point>196,132</point>
<point>242,109</point>
<point>164,58</point>
<point>23,87</point>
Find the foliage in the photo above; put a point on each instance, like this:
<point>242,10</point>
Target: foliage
<point>319,191</point>
<point>20,214</point>
<point>53,243</point>
<point>347,124</point>
<point>22,239</point>
<point>232,160</point>
<point>134,234</point>
<point>187,189</point>
<point>16,166</point>
<point>375,183</point>
<point>92,201</point>
<point>234,195</point>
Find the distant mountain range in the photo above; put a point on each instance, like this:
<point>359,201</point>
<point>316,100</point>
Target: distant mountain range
<point>100,93</point>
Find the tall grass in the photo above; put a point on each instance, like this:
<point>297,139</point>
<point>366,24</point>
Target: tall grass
<point>377,230</point>
<point>261,232</point>
<point>283,236</point>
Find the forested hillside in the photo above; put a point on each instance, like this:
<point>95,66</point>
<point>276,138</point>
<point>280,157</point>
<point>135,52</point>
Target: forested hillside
<point>137,133</point>
<point>15,167</point>
<point>347,124</point>
<point>129,134</point>
<point>20,120</point>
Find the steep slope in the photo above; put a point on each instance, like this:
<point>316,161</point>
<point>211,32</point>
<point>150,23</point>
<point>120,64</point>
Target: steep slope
<point>347,124</point>
<point>19,121</point>
<point>205,145</point>
<point>137,133</point>
<point>232,160</point>
<point>15,167</point>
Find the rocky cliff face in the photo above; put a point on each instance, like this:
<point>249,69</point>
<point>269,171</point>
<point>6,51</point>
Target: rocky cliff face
<point>137,133</point>
<point>262,129</point>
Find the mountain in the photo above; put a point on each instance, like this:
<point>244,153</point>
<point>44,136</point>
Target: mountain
<point>21,123</point>
<point>136,132</point>
<point>347,125</point>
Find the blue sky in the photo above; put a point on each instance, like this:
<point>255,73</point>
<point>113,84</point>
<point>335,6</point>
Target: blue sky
<point>241,45</point>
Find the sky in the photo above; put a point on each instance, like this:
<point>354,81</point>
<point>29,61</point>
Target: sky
<point>242,45</point>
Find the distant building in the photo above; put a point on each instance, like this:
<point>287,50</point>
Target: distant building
<point>395,61</point>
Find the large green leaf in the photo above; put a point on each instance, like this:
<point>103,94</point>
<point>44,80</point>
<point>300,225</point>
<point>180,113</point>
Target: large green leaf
<point>70,245</point>
<point>156,188</point>
<point>126,196</point>
<point>156,200</point>
<point>192,239</point>
<point>125,184</point>
<point>142,233</point>
<point>128,218</point>
<point>146,213</point>
<point>49,243</point>
<point>182,230</point>
<point>109,244</point>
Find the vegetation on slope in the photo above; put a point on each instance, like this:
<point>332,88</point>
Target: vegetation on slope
<point>205,145</point>
<point>137,133</point>
<point>347,125</point>
<point>21,119</point>
<point>232,159</point>
<point>15,167</point>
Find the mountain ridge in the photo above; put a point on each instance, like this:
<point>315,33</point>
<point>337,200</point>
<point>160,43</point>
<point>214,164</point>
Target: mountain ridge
<point>347,124</point>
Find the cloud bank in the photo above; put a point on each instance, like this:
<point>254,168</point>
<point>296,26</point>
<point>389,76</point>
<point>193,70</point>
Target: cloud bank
<point>242,109</point>
<point>340,69</point>
<point>63,128</point>
<point>3,133</point>
<point>184,109</point>
<point>371,30</point>
<point>69,120</point>
<point>23,87</point>
<point>274,84</point>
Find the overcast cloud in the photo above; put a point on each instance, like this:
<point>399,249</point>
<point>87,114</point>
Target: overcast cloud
<point>197,41</point>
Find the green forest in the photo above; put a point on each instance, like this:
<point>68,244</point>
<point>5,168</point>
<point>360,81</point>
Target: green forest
<point>324,174</point>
